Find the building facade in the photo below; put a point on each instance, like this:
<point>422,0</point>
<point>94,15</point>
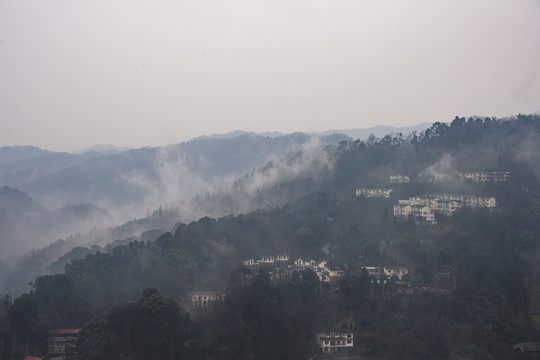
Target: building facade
<point>61,343</point>
<point>487,176</point>
<point>332,341</point>
<point>377,271</point>
<point>399,179</point>
<point>279,267</point>
<point>373,192</point>
<point>203,299</point>
<point>426,206</point>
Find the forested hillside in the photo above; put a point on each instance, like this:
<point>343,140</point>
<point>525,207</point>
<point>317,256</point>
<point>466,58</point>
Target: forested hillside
<point>467,294</point>
<point>117,187</point>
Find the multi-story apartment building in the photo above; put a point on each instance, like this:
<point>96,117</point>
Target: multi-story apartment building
<point>373,192</point>
<point>61,343</point>
<point>399,179</point>
<point>398,271</point>
<point>487,176</point>
<point>426,206</point>
<point>416,207</point>
<point>202,299</point>
<point>377,271</point>
<point>334,340</point>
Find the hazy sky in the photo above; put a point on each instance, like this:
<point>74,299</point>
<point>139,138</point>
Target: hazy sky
<point>137,73</point>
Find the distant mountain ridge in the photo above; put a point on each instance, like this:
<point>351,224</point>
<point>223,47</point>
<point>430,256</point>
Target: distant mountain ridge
<point>26,225</point>
<point>103,149</point>
<point>123,178</point>
<point>126,184</point>
<point>378,131</point>
<point>355,133</point>
<point>18,153</point>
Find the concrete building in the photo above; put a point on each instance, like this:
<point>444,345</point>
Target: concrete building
<point>373,270</point>
<point>398,271</point>
<point>304,265</point>
<point>325,274</point>
<point>61,343</point>
<point>377,271</point>
<point>203,299</point>
<point>426,206</point>
<point>416,207</point>
<point>279,268</point>
<point>331,341</point>
<point>399,179</point>
<point>373,192</point>
<point>487,176</point>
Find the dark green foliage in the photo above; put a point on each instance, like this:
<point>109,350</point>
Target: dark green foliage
<point>152,328</point>
<point>263,322</point>
<point>59,304</point>
<point>26,331</point>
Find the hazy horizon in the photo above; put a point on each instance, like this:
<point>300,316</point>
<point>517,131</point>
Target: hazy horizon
<point>230,134</point>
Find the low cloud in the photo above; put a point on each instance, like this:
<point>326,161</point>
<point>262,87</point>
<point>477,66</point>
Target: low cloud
<point>174,184</point>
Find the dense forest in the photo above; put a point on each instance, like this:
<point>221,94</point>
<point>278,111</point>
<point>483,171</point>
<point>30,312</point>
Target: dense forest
<point>471,291</point>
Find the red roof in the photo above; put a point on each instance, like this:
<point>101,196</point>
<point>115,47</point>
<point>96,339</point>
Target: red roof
<point>64,331</point>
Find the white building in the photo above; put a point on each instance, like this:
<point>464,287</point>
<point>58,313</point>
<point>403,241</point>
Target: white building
<point>487,176</point>
<point>279,268</point>
<point>398,271</point>
<point>416,207</point>
<point>399,179</point>
<point>377,271</point>
<point>266,260</point>
<point>373,270</point>
<point>248,263</point>
<point>373,192</point>
<point>426,206</point>
<point>303,265</point>
<point>284,258</point>
<point>203,299</point>
<point>62,343</point>
<point>331,341</point>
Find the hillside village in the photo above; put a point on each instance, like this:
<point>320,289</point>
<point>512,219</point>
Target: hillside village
<point>425,207</point>
<point>430,263</point>
<point>280,268</point>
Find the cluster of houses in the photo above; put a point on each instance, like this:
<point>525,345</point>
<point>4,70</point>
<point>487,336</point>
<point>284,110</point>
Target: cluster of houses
<point>426,206</point>
<point>476,176</point>
<point>279,267</point>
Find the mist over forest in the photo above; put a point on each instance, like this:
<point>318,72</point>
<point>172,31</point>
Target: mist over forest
<point>48,196</point>
<point>114,243</point>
